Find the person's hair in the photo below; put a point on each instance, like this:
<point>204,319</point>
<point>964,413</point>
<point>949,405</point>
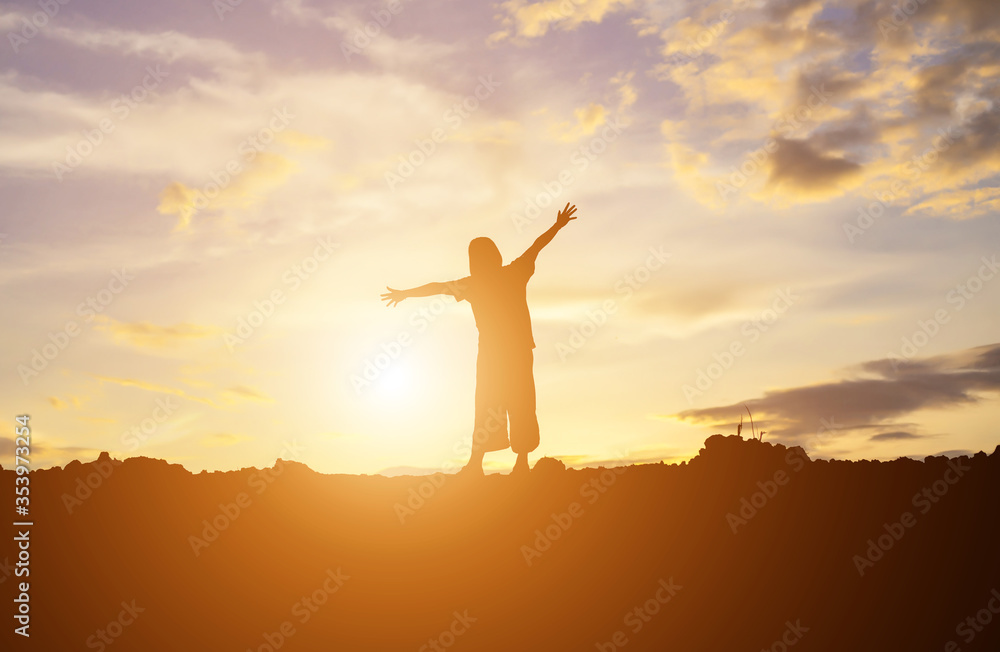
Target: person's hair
<point>484,257</point>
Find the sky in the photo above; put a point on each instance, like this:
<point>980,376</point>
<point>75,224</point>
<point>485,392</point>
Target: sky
<point>787,210</point>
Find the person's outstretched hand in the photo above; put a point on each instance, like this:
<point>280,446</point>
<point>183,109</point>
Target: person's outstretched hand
<point>565,215</point>
<point>393,297</point>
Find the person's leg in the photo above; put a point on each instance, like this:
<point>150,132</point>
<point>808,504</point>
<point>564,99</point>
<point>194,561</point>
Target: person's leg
<point>490,432</point>
<point>475,463</point>
<point>524,436</point>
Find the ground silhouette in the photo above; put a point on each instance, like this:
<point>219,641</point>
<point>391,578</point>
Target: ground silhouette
<point>749,546</point>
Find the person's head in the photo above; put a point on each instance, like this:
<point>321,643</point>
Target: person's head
<point>484,257</point>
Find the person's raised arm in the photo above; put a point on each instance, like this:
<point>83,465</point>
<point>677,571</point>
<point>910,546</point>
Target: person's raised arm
<point>393,297</point>
<point>562,219</point>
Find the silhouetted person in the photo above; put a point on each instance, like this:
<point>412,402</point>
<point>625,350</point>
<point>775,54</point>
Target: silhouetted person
<point>505,386</point>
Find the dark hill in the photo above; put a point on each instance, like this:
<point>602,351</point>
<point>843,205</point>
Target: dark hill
<point>747,547</point>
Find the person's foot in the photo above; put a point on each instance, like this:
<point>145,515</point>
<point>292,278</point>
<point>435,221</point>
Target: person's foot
<point>520,466</point>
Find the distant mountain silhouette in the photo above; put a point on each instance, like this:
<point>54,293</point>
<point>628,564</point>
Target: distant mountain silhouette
<point>749,546</point>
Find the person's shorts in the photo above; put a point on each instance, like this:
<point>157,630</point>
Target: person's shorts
<point>505,391</point>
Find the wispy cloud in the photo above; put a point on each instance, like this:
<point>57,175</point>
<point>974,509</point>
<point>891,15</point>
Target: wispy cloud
<point>145,335</point>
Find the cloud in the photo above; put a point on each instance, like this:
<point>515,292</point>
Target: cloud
<point>894,435</point>
<point>265,173</point>
<point>249,393</point>
<point>978,143</point>
<point>145,335</point>
<point>49,453</point>
<point>976,16</point>
<point>858,130</point>
<point>60,404</point>
<point>628,95</point>
<point>300,140</point>
<point>168,46</point>
<point>885,391</point>
<point>298,12</point>
<point>797,164</point>
<point>884,106</point>
<point>152,387</point>
<point>938,85</point>
<point>959,204</point>
<point>534,19</point>
<point>224,397</point>
<point>588,119</point>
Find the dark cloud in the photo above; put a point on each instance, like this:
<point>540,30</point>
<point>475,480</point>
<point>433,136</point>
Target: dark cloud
<point>938,85</point>
<point>782,9</point>
<point>860,28</point>
<point>894,389</point>
<point>978,141</point>
<point>974,15</point>
<point>827,83</point>
<point>894,435</point>
<point>797,163</point>
<point>859,129</point>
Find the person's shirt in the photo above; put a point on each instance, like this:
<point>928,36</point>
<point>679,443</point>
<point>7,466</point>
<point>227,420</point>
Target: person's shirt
<point>500,305</point>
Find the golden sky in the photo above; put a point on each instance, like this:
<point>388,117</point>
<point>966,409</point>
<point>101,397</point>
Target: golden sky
<point>790,204</point>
